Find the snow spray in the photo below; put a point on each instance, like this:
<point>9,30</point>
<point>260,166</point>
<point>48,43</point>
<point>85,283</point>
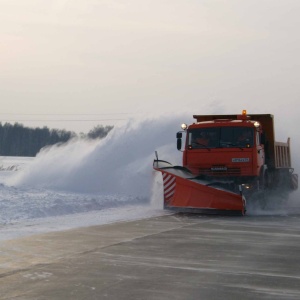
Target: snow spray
<point>120,164</point>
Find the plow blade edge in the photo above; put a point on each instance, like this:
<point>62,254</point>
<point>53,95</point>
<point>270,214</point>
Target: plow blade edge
<point>184,192</point>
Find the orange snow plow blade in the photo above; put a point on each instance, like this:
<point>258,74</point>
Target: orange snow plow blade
<point>184,192</point>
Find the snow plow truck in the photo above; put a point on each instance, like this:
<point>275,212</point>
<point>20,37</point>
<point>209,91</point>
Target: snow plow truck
<point>228,160</point>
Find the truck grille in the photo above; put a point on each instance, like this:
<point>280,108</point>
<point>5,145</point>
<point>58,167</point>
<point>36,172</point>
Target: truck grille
<point>220,171</point>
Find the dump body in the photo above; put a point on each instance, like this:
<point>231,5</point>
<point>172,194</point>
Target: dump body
<point>282,155</point>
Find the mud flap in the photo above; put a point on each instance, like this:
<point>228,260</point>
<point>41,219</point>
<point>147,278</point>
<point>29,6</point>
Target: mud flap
<point>185,192</point>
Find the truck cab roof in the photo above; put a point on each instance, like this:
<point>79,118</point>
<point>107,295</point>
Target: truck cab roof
<point>223,122</point>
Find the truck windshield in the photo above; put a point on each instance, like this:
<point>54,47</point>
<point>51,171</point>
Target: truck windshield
<point>221,137</point>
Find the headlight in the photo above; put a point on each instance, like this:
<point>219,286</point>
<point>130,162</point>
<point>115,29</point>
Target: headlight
<point>183,126</point>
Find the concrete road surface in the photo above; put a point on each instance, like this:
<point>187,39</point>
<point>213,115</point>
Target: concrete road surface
<point>169,257</point>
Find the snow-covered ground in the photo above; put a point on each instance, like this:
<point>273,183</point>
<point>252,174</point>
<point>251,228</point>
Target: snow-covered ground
<point>27,210</point>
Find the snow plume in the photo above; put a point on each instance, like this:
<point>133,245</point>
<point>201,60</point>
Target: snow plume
<point>120,164</point>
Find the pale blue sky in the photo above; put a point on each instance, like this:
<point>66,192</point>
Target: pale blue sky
<point>73,58</point>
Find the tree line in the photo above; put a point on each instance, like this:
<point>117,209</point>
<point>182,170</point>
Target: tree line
<point>18,140</point>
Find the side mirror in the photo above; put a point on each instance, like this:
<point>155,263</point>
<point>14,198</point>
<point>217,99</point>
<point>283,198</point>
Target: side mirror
<point>179,143</point>
<point>179,135</point>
